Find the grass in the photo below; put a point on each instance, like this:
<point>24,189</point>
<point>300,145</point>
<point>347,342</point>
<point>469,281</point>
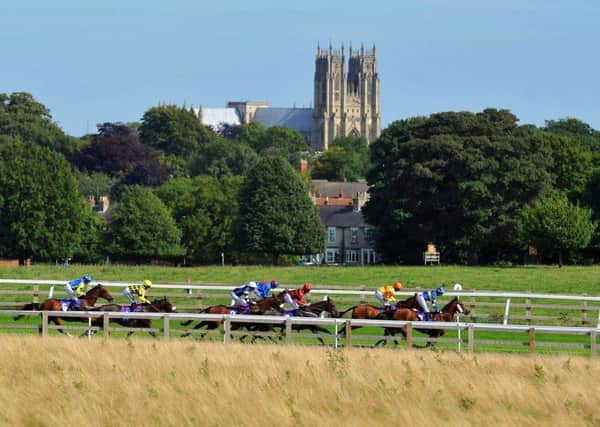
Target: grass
<point>59,381</point>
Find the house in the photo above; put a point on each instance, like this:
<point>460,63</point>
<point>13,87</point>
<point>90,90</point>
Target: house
<point>349,238</point>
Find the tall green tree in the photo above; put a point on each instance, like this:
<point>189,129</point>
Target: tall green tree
<point>206,209</point>
<point>22,118</point>
<point>174,130</point>
<point>277,216</point>
<point>41,212</point>
<point>223,157</point>
<point>141,228</point>
<point>554,225</point>
<point>456,179</point>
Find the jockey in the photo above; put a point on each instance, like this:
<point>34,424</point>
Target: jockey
<point>432,297</point>
<point>76,288</point>
<point>139,291</point>
<point>295,297</point>
<point>386,294</point>
<point>263,289</point>
<point>241,295</point>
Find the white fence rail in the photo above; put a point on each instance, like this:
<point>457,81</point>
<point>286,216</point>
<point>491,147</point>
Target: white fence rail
<point>346,339</point>
<point>586,304</point>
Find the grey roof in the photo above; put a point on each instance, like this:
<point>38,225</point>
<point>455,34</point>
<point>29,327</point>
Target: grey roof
<point>293,118</point>
<point>214,117</point>
<point>324,188</point>
<point>341,216</point>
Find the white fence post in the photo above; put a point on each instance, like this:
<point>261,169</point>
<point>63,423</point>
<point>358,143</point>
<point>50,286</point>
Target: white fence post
<point>166,327</point>
<point>44,323</point>
<point>506,311</point>
<point>227,329</point>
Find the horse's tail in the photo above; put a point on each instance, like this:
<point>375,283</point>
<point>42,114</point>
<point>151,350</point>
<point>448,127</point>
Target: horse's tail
<point>32,306</point>
<point>346,311</point>
<point>187,322</point>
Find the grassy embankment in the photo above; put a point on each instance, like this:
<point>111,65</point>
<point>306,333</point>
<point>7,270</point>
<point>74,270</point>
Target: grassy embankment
<point>59,381</point>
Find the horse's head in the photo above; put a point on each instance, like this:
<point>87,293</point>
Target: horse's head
<point>104,293</point>
<point>461,307</point>
<point>330,307</point>
<point>164,305</point>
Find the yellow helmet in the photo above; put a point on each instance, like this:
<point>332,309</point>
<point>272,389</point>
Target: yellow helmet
<point>147,283</point>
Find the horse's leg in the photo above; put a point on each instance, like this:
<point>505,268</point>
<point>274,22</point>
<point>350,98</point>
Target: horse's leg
<point>383,342</point>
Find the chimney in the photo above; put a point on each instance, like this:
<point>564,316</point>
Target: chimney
<point>303,166</point>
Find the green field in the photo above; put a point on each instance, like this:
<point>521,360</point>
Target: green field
<point>565,280</point>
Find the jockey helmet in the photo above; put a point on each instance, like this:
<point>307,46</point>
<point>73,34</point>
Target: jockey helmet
<point>398,286</point>
<point>147,283</point>
<point>307,287</point>
<point>440,290</point>
<point>252,284</point>
<point>274,283</point>
<point>87,278</point>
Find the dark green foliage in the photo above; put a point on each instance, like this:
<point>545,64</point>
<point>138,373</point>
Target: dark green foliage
<point>93,228</point>
<point>141,228</point>
<point>456,179</point>
<point>554,225</point>
<point>22,118</point>
<point>276,214</point>
<point>41,212</point>
<point>274,141</point>
<point>174,130</point>
<point>206,209</point>
<point>223,157</point>
<point>347,159</point>
<point>95,184</point>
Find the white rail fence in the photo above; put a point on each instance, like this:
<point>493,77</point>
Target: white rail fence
<point>288,323</point>
<point>497,306</point>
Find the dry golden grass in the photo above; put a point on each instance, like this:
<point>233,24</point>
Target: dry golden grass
<point>68,381</point>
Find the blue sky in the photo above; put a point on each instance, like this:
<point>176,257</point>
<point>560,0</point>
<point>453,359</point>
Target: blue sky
<point>94,61</point>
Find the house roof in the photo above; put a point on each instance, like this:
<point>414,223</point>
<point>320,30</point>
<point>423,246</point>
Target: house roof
<point>214,117</point>
<point>341,216</point>
<point>293,118</point>
<point>324,188</point>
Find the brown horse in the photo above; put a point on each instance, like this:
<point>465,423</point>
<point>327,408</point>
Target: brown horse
<point>267,306</point>
<point>87,302</point>
<point>316,309</point>
<point>157,306</point>
<point>445,315</point>
<point>368,311</point>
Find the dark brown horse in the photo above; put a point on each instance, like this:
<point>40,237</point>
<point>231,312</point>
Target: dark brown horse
<point>161,305</point>
<point>445,315</point>
<point>267,306</point>
<point>368,311</point>
<point>317,309</point>
<point>87,302</point>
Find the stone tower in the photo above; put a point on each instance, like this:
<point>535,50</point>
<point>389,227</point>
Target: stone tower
<point>345,104</point>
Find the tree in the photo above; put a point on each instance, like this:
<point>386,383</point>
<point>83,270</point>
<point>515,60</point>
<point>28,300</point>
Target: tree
<point>116,151</point>
<point>276,214</point>
<point>142,228</point>
<point>174,130</point>
<point>41,213</point>
<point>572,162</point>
<point>457,179</point>
<point>206,210</point>
<point>22,118</point>
<point>347,159</point>
<point>223,157</point>
<point>93,228</point>
<point>552,224</point>
<point>95,184</point>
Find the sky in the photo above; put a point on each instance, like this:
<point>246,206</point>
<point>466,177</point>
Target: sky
<point>98,61</point>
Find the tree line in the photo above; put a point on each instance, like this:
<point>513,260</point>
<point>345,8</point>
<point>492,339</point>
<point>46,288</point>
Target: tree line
<point>479,185</point>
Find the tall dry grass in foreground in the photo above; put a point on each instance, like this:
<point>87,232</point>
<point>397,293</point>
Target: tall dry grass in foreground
<point>62,381</point>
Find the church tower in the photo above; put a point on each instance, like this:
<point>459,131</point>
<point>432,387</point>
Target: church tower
<point>345,103</point>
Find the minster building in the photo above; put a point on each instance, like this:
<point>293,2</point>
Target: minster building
<point>346,103</point>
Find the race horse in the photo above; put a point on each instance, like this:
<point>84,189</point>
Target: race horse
<point>162,305</point>
<point>87,302</point>
<point>368,311</point>
<point>445,315</point>
<point>267,306</point>
<point>317,309</point>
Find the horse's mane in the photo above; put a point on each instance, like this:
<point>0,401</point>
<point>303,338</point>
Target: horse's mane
<point>452,301</point>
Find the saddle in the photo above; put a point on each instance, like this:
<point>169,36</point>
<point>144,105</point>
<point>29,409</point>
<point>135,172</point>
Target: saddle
<point>133,308</point>
<point>69,305</point>
<point>387,308</point>
<point>426,317</point>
